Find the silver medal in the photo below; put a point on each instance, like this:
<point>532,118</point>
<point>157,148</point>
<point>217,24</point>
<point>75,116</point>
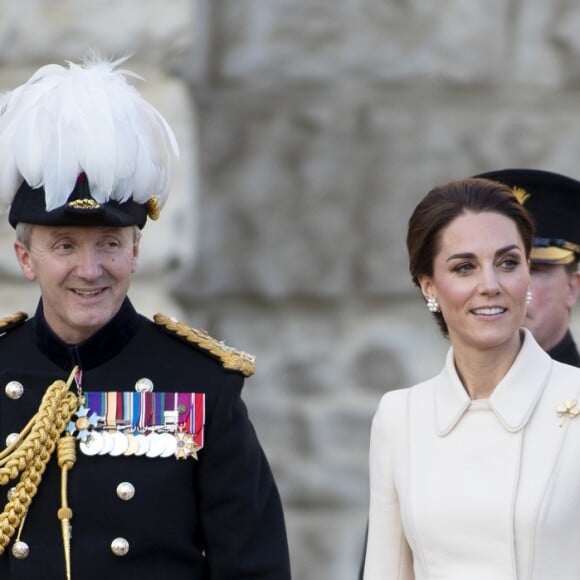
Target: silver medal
<point>142,444</point>
<point>120,444</point>
<point>108,443</point>
<point>93,444</point>
<point>156,444</point>
<point>169,444</point>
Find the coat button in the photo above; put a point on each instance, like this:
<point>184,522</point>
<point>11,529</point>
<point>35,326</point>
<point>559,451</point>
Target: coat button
<point>144,385</point>
<point>20,550</point>
<point>120,546</point>
<point>12,438</point>
<point>14,389</point>
<point>125,491</point>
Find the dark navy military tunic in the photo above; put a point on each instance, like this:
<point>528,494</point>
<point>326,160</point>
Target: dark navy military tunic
<point>218,518</point>
<point>566,351</point>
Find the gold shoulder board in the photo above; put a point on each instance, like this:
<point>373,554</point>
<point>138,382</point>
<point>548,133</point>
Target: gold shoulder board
<point>12,321</point>
<point>231,358</point>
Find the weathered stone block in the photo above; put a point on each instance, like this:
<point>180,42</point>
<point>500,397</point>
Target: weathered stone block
<point>272,168</point>
<point>269,42</point>
<point>326,544</point>
<point>36,31</point>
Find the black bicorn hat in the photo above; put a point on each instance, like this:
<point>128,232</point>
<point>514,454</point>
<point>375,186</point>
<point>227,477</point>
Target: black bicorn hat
<point>553,200</point>
<point>80,209</point>
<point>80,146</point>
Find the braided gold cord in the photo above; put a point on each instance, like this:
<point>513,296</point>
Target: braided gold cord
<point>32,452</point>
<point>66,460</point>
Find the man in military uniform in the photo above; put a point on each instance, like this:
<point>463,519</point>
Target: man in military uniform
<point>129,452</point>
<point>554,202</point>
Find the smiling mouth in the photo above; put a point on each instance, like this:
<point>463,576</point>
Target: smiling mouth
<point>88,292</point>
<point>491,311</point>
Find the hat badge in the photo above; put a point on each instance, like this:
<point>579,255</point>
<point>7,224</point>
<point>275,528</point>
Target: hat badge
<point>521,194</point>
<point>84,203</point>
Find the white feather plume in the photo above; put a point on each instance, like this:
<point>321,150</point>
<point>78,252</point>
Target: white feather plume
<point>83,118</point>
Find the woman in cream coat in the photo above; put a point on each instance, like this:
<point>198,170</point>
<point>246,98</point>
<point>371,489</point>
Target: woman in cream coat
<point>475,473</point>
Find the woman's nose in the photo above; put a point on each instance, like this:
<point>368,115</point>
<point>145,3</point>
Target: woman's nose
<point>490,282</point>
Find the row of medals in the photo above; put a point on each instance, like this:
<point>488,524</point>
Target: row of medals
<point>97,438</point>
<point>151,444</point>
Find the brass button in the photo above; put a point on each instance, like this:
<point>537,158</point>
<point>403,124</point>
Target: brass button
<point>120,546</point>
<point>144,385</point>
<point>20,550</point>
<point>12,438</point>
<point>14,390</point>
<point>125,491</point>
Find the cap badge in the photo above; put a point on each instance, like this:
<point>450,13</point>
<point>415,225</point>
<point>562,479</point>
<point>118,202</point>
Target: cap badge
<point>520,194</point>
<point>85,203</point>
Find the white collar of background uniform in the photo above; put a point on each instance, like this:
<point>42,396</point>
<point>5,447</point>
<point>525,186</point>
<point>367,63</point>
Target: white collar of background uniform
<point>514,398</point>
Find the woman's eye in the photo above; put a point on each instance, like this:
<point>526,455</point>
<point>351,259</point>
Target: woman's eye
<point>510,263</point>
<point>463,268</point>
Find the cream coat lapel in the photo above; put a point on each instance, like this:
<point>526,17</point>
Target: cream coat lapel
<point>513,400</point>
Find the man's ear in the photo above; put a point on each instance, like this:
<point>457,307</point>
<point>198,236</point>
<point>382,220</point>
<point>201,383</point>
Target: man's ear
<point>573,289</point>
<point>135,259</point>
<point>25,261</point>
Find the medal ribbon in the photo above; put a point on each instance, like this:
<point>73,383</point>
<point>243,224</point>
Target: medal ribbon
<point>199,417</point>
<point>111,409</point>
<point>140,411</point>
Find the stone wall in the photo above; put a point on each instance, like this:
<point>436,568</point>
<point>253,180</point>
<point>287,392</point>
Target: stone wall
<point>314,127</point>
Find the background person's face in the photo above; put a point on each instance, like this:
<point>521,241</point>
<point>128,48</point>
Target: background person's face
<point>555,291</point>
<point>83,273</point>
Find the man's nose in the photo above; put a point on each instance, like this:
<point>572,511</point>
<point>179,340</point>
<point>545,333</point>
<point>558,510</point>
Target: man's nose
<point>90,263</point>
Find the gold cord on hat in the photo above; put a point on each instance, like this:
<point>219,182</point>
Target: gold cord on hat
<point>29,455</point>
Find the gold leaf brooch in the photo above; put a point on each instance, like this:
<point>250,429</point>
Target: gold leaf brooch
<point>568,409</point>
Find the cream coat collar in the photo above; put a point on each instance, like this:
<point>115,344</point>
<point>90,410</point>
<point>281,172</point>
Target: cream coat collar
<point>514,398</point>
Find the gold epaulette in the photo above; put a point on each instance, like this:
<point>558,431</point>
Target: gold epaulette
<point>231,358</point>
<point>12,321</point>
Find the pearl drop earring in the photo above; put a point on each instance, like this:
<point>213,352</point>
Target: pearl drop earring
<point>529,296</point>
<point>432,305</point>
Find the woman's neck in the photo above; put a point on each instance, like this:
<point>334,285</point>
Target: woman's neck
<point>480,370</point>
